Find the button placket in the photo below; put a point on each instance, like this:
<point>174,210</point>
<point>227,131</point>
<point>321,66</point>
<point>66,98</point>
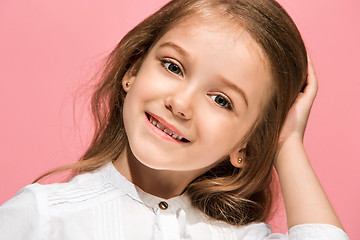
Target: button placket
<point>167,224</point>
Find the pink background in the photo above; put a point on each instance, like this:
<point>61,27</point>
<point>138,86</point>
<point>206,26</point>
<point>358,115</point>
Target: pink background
<point>48,49</point>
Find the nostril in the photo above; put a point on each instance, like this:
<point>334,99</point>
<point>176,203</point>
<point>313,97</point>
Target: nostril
<point>177,108</point>
<point>169,107</point>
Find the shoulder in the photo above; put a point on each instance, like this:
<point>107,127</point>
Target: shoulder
<point>28,199</point>
<point>24,214</point>
<point>37,208</point>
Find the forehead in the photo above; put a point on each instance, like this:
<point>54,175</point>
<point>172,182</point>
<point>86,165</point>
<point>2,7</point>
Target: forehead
<point>225,46</point>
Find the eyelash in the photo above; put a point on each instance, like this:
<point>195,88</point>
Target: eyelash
<point>163,61</point>
<point>168,61</point>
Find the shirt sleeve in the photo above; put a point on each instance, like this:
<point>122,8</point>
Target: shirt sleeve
<point>262,231</point>
<point>24,216</point>
<point>316,232</point>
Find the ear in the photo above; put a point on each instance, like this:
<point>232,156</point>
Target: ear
<point>127,80</point>
<point>237,157</point>
<point>130,75</point>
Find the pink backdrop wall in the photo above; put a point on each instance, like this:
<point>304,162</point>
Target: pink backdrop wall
<point>49,48</point>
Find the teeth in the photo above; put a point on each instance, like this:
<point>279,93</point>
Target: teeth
<point>167,131</point>
<point>161,127</point>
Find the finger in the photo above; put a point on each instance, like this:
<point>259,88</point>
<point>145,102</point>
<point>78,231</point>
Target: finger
<point>308,95</point>
<point>312,82</point>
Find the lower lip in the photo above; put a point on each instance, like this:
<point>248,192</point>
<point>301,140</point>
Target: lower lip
<point>159,132</point>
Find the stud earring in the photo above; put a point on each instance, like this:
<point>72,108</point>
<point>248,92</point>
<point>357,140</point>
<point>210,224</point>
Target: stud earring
<point>240,160</point>
<point>127,84</point>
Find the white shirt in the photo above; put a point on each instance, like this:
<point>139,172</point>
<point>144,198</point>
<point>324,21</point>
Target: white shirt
<point>104,205</point>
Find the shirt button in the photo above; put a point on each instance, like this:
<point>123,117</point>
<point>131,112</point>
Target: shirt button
<point>163,205</point>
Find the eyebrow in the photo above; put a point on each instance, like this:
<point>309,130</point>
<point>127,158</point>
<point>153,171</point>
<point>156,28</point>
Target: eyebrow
<point>175,47</point>
<point>235,87</point>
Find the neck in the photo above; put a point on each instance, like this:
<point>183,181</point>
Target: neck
<point>161,183</point>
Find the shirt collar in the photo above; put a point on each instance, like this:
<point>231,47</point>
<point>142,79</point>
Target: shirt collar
<point>112,175</point>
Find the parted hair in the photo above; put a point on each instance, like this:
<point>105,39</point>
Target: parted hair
<point>236,196</point>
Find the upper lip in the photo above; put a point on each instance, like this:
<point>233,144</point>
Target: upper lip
<point>167,125</point>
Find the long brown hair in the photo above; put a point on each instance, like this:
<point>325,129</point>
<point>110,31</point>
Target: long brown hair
<point>236,196</point>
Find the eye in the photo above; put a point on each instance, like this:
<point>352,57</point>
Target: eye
<point>222,101</point>
<point>171,67</point>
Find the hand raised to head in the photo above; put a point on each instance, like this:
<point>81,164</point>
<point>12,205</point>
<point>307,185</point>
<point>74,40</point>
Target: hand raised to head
<point>297,117</point>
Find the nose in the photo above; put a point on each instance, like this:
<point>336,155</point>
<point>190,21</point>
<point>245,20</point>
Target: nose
<point>180,104</point>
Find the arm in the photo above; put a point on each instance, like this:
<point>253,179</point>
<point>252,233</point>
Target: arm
<point>305,200</point>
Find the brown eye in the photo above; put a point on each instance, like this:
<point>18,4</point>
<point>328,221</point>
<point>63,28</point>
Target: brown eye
<point>172,67</point>
<point>221,101</point>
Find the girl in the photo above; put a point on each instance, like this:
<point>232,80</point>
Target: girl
<point>196,106</point>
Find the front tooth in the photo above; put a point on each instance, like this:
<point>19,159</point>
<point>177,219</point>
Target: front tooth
<point>159,125</point>
<point>174,135</point>
<point>167,131</point>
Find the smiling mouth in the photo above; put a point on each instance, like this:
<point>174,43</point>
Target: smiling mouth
<point>169,132</point>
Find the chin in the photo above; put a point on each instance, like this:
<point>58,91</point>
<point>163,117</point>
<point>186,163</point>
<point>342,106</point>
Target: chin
<point>148,158</point>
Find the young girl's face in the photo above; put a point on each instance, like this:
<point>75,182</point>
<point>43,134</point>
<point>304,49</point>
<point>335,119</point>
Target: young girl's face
<point>205,82</point>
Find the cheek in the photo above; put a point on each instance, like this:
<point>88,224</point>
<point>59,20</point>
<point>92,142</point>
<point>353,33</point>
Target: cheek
<point>134,106</point>
<point>225,132</point>
<point>151,86</point>
<point>219,134</point>
<point>127,113</point>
